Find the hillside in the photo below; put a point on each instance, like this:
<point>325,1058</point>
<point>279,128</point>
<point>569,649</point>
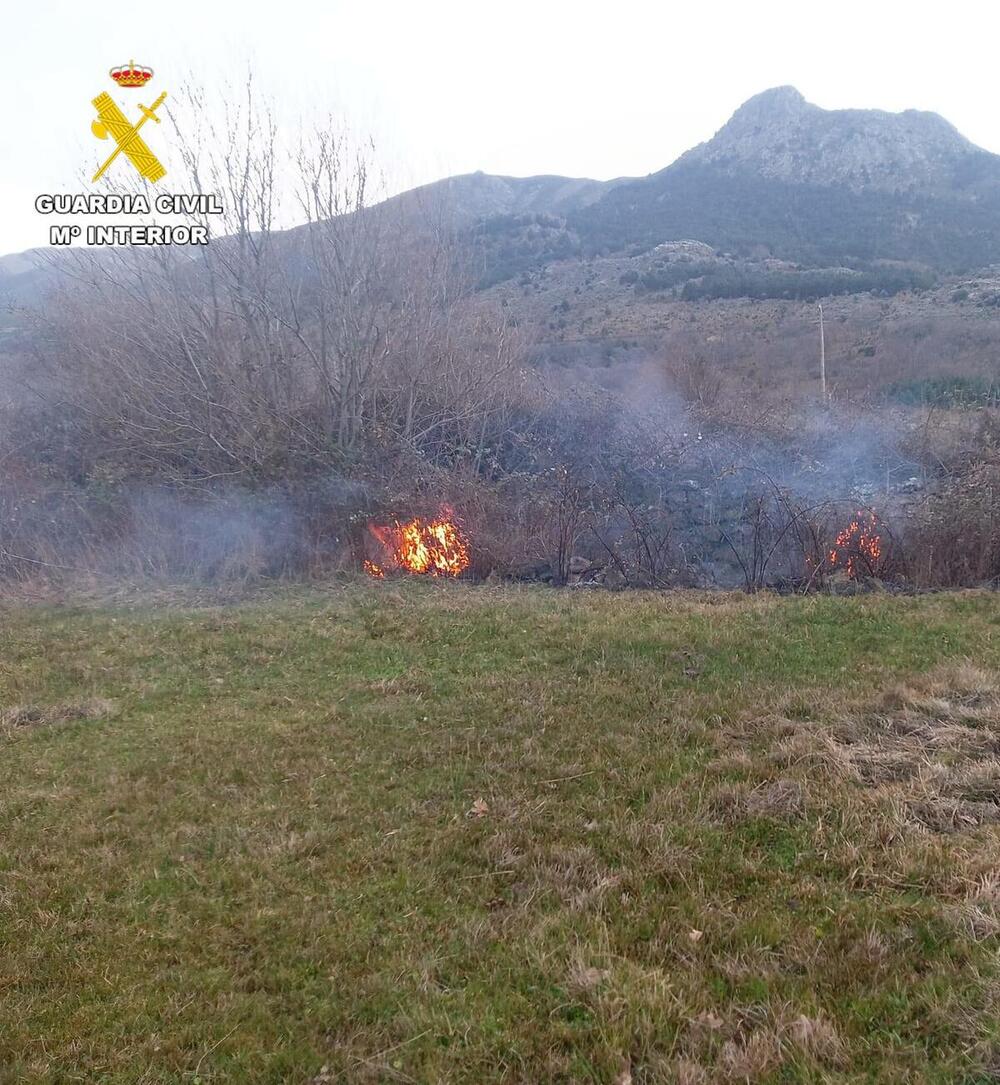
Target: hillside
<point>609,316</point>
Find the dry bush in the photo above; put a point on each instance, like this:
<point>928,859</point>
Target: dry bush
<point>275,354</point>
<point>953,534</point>
<point>948,440</point>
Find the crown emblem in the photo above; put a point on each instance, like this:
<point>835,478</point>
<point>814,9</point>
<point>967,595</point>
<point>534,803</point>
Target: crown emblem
<point>131,76</point>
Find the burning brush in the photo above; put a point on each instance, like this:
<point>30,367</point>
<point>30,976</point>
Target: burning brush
<point>858,548</point>
<point>424,547</point>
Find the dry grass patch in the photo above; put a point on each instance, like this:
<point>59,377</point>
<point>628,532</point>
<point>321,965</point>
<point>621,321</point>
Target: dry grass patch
<point>927,751</point>
<point>34,715</point>
<point>753,1043</point>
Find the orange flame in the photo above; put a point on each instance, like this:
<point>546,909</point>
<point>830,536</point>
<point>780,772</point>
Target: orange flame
<point>858,548</point>
<point>431,548</point>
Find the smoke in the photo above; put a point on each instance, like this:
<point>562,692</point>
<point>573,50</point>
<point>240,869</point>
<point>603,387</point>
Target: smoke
<point>732,480</point>
<point>236,534</point>
<point>163,533</point>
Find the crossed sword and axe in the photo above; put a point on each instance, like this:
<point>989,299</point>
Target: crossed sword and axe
<point>127,136</point>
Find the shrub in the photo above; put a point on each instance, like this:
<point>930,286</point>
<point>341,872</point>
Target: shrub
<point>946,392</point>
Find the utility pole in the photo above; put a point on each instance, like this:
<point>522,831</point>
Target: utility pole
<point>822,356</point>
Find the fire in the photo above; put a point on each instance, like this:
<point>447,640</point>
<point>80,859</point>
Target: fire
<point>858,548</point>
<point>426,547</point>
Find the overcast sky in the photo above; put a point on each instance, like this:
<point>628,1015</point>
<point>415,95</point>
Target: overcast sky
<point>546,86</point>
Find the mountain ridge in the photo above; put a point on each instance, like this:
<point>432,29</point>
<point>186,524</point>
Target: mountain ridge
<point>782,178</point>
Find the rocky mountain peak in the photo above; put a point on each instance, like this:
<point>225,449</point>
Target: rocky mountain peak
<point>779,135</point>
<point>771,106</point>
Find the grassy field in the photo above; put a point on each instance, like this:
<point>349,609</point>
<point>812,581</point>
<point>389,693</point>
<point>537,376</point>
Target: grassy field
<point>428,832</point>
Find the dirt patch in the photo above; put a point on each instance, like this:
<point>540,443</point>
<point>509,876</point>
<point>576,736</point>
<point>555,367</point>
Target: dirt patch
<point>33,715</point>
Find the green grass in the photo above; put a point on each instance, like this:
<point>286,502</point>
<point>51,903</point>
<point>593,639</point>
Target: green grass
<point>427,832</point>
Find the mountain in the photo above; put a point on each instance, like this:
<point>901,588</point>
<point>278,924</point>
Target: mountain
<point>781,136</point>
<point>22,279</point>
<point>782,179</point>
<point>473,196</point>
<point>17,263</point>
<point>788,179</point>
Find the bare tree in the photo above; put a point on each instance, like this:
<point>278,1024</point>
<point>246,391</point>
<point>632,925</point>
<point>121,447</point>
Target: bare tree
<point>273,351</point>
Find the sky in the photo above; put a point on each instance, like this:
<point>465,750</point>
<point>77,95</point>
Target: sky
<point>443,87</point>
